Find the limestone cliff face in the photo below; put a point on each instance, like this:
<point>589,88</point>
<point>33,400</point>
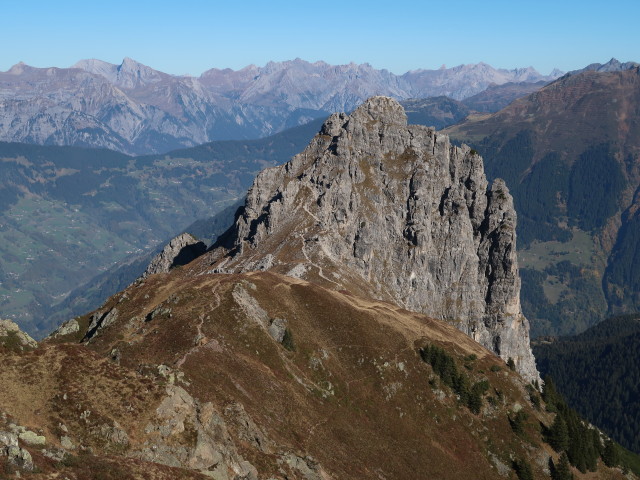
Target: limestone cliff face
<point>373,201</point>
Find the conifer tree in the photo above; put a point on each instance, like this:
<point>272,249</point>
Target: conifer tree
<point>561,471</point>
<point>549,394</point>
<point>611,454</point>
<point>523,470</point>
<point>558,434</point>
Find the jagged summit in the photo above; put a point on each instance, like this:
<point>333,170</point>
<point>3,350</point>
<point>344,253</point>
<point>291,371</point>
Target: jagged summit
<point>381,109</point>
<point>129,74</point>
<point>613,65</point>
<point>393,211</point>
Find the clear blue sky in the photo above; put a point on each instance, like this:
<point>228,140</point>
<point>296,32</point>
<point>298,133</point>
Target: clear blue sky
<point>191,36</point>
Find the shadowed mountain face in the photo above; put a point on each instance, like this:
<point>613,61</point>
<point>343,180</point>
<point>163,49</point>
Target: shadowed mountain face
<point>496,97</point>
<point>441,112</point>
<point>134,109</point>
<point>570,154</point>
<point>437,112</point>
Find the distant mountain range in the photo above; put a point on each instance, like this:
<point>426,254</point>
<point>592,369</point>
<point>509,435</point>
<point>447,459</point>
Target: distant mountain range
<point>571,157</point>
<point>134,109</point>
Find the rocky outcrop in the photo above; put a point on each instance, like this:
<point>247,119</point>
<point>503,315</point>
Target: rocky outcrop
<point>179,251</point>
<point>398,207</point>
<point>67,328</point>
<point>209,446</point>
<point>16,455</point>
<point>13,338</point>
<point>100,320</point>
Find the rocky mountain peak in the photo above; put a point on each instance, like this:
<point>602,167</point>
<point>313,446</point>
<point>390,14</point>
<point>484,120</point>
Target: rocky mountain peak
<point>392,211</point>
<point>129,74</point>
<point>132,74</point>
<point>129,63</point>
<point>380,109</point>
<point>18,68</point>
<point>98,67</point>
<point>613,65</point>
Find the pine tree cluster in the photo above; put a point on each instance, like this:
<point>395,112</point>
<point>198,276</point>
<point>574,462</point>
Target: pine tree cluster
<point>445,367</point>
<point>572,437</point>
<point>598,373</point>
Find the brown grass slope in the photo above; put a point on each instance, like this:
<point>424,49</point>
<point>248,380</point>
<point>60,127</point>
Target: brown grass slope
<point>346,396</point>
<point>49,390</point>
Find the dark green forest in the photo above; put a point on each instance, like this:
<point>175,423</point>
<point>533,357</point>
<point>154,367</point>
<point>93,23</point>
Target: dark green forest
<point>598,372</point>
<point>585,189</point>
<point>595,185</point>
<point>558,192</point>
<point>622,277</point>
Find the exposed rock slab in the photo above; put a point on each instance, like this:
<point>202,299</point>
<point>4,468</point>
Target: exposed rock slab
<point>67,328</point>
<point>212,451</point>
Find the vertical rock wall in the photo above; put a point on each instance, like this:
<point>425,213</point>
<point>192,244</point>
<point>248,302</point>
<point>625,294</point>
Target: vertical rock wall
<point>407,211</point>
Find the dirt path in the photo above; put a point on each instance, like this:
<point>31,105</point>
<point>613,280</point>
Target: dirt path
<point>200,337</point>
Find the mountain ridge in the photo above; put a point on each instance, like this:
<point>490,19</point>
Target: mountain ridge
<point>190,371</point>
<point>135,109</point>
